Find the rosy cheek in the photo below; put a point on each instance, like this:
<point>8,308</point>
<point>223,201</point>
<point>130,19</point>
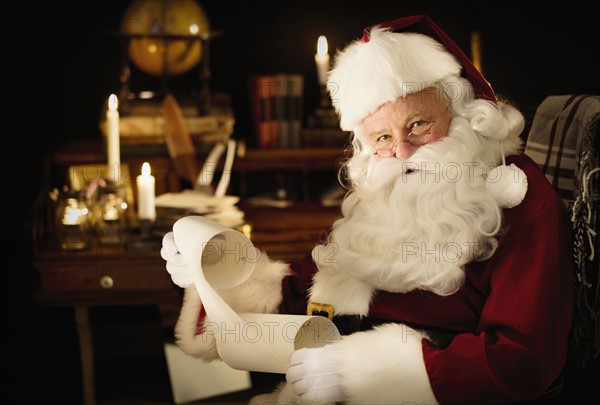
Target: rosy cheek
<point>435,135</point>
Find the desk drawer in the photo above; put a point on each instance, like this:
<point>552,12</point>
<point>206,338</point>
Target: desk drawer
<point>103,276</point>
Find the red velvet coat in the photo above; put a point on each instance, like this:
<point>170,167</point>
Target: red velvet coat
<point>512,315</point>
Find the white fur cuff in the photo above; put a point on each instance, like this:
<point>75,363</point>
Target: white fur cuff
<point>384,366</point>
<point>187,334</point>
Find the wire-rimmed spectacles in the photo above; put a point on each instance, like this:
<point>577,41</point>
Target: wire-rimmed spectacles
<point>386,144</point>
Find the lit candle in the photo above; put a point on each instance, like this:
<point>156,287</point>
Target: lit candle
<point>145,191</point>
<point>322,60</point>
<point>72,233</point>
<point>476,50</point>
<point>74,214</point>
<point>113,151</point>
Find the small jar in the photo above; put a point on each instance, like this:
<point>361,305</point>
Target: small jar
<point>111,221</point>
<point>72,217</point>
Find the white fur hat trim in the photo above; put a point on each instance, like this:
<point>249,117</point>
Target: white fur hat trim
<point>390,65</point>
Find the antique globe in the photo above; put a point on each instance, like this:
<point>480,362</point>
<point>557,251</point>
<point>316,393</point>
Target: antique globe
<point>165,35</point>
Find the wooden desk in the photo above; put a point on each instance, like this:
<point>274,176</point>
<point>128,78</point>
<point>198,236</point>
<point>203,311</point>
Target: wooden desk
<point>116,275</point>
<point>102,275</point>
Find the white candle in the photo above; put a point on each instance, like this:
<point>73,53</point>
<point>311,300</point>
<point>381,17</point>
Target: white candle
<point>322,60</point>
<point>145,191</point>
<point>113,151</point>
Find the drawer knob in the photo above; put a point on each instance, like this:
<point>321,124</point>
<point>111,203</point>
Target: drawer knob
<point>107,282</point>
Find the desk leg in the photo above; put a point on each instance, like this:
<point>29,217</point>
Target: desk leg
<point>86,350</point>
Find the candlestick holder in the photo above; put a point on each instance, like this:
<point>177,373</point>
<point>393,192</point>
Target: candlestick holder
<point>323,125</point>
<point>324,115</point>
<point>145,229</point>
<point>145,241</point>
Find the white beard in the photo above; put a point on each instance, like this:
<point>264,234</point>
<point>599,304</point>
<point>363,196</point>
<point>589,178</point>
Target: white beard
<point>404,230</point>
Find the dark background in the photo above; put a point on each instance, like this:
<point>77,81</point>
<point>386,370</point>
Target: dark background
<point>71,58</point>
<point>67,61</point>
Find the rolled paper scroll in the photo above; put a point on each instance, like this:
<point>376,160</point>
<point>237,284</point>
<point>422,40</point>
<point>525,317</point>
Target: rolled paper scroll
<point>219,258</point>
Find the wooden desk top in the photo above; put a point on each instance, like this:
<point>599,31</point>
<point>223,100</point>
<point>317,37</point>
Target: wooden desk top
<point>111,275</point>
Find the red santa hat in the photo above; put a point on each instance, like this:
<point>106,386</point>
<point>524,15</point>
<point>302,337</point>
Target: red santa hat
<point>383,66</point>
<point>404,56</point>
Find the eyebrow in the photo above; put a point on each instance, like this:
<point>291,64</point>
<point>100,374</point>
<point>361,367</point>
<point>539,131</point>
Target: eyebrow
<point>388,129</point>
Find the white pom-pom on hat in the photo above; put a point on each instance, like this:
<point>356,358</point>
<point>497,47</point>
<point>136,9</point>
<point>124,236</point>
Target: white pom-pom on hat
<point>507,184</point>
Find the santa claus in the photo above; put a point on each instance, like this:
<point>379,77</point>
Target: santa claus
<point>449,272</point>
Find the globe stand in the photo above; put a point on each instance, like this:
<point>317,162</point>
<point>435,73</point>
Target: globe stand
<point>204,76</point>
<point>126,95</point>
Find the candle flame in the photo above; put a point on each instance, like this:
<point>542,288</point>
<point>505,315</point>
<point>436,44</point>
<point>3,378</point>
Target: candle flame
<point>74,215</point>
<point>322,47</point>
<point>146,169</point>
<point>113,102</point>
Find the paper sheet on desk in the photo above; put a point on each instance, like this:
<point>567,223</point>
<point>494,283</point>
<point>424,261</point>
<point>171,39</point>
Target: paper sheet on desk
<point>196,202</point>
<point>220,258</point>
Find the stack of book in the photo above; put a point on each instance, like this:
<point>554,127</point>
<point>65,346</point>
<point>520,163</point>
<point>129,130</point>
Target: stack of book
<point>171,207</point>
<point>277,109</point>
<point>143,123</point>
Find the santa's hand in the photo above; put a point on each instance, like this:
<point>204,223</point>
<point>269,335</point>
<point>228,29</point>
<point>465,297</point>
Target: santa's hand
<point>175,263</point>
<point>313,376</point>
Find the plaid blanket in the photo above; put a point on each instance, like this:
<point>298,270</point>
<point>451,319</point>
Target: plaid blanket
<point>564,140</point>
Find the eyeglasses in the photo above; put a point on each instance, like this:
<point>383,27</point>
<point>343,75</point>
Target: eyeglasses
<point>386,144</point>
